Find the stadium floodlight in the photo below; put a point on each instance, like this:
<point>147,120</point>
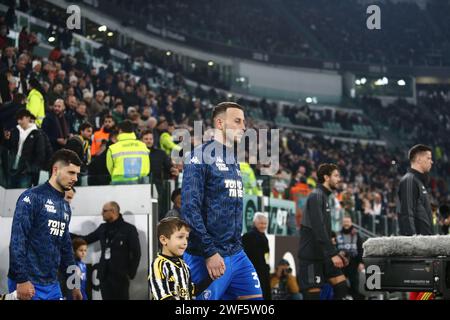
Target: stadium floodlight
<point>363,80</point>
<point>51,39</point>
<point>110,34</point>
<point>193,65</point>
<point>379,82</point>
<point>314,100</point>
<point>102,28</point>
<point>210,63</point>
<point>385,80</point>
<point>358,82</point>
<point>168,53</point>
<point>401,82</point>
<point>308,100</point>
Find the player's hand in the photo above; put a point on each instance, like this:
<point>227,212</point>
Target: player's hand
<point>76,294</point>
<point>215,266</point>
<point>337,261</point>
<point>25,290</point>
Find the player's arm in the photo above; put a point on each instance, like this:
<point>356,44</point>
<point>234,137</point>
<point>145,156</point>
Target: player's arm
<point>192,195</point>
<point>159,281</point>
<point>408,194</point>
<point>91,237</point>
<point>21,227</point>
<point>318,225</point>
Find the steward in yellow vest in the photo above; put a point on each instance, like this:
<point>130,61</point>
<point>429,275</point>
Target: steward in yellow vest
<point>128,159</point>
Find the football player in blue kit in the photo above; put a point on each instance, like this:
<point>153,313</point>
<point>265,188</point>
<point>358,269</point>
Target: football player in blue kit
<point>40,241</point>
<point>212,202</point>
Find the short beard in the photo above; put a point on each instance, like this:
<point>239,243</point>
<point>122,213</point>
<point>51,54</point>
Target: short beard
<point>61,185</point>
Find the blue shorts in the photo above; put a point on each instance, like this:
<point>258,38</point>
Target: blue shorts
<point>42,292</point>
<point>240,280</point>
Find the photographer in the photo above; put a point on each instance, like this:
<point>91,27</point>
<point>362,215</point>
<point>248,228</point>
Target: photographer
<point>283,284</point>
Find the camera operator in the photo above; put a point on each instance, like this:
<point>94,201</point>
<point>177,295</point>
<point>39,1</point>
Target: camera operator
<point>283,284</point>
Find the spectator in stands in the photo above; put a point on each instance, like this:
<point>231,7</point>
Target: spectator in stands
<point>37,71</point>
<point>102,135</point>
<point>121,252</point>
<point>36,101</point>
<point>27,149</point>
<point>8,59</point>
<point>128,159</point>
<point>165,138</point>
<point>283,284</point>
<point>97,169</point>
<point>161,168</point>
<point>81,145</point>
<point>56,126</point>
<point>176,200</point>
<point>97,106</point>
<point>256,246</point>
<point>117,113</point>
<point>78,117</point>
<point>349,242</point>
<point>56,93</point>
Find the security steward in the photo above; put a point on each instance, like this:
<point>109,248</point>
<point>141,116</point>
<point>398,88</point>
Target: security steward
<point>128,159</point>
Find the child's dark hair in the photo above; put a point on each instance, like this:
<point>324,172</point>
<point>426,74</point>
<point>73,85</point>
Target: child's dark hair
<point>167,226</point>
<point>78,242</point>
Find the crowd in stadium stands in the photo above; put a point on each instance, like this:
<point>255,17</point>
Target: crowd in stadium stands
<point>75,104</point>
<point>416,36</point>
<point>316,118</point>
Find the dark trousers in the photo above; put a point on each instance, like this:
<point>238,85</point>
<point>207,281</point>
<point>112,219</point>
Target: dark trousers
<point>264,279</point>
<point>351,273</point>
<point>115,288</point>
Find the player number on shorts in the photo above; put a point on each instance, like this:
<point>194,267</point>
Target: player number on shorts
<point>255,277</point>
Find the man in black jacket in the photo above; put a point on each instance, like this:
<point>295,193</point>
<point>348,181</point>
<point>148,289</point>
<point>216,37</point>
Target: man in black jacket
<point>415,215</point>
<point>256,246</point>
<point>319,259</point>
<point>121,253</point>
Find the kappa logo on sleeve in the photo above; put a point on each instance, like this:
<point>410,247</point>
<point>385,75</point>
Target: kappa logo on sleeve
<point>27,200</point>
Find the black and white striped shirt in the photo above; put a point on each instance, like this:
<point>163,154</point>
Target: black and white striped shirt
<point>170,278</point>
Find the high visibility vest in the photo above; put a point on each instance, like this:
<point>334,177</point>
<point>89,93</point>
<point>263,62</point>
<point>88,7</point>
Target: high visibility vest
<point>166,143</point>
<point>97,141</point>
<point>249,180</point>
<point>36,106</point>
<point>128,159</point>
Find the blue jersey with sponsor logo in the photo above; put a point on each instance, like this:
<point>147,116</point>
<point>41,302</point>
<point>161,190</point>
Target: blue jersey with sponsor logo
<point>40,240</point>
<point>212,200</point>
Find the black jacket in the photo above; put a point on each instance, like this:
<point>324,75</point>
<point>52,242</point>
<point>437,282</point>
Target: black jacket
<point>123,240</point>
<point>52,126</point>
<point>160,165</point>
<point>256,246</point>
<point>98,174</point>
<point>315,232</point>
<point>415,215</point>
<point>33,151</point>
